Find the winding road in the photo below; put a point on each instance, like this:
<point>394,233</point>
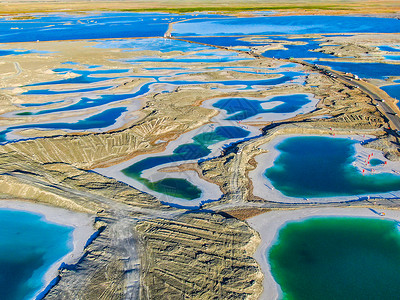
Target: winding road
<point>381,101</point>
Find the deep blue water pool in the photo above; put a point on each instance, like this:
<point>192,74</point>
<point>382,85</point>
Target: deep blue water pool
<point>299,51</point>
<point>62,91</point>
<point>242,108</point>
<point>84,77</point>
<point>392,57</point>
<point>13,52</point>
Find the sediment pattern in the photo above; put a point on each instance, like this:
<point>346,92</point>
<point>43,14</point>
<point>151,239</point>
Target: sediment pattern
<point>81,151</point>
<point>66,186</point>
<point>98,276</point>
<point>171,118</point>
<point>199,256</point>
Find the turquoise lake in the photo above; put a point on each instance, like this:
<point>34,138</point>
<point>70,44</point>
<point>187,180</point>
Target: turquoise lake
<point>376,162</point>
<point>319,258</point>
<point>314,166</point>
<point>337,258</point>
<point>28,247</point>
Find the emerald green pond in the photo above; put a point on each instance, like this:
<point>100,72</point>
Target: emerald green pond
<point>337,258</point>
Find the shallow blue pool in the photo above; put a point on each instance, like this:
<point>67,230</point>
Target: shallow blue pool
<point>392,90</point>
<point>285,25</point>
<point>242,108</point>
<point>63,26</point>
<point>389,49</point>
<point>363,70</point>
<point>100,120</point>
<point>152,44</point>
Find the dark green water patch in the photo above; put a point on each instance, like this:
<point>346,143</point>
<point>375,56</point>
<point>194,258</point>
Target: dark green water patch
<point>375,162</point>
<point>337,258</point>
<point>316,166</point>
<point>176,187</point>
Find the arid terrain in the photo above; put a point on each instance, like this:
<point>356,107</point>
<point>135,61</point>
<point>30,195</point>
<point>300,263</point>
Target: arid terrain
<point>145,248</point>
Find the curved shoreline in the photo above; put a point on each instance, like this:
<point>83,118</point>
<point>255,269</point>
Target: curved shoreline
<point>266,116</point>
<point>210,191</point>
<point>266,160</point>
<point>82,230</point>
<point>269,224</point>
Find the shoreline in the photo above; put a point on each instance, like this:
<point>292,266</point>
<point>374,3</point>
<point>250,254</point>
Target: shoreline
<point>210,191</point>
<point>73,117</point>
<point>269,224</point>
<point>266,104</point>
<point>81,223</point>
<point>266,160</point>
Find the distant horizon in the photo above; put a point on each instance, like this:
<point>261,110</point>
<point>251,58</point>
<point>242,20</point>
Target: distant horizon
<point>291,6</point>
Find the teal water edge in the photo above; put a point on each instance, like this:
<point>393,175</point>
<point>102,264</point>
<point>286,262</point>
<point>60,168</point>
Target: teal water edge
<point>337,258</point>
<point>28,247</point>
<point>176,187</point>
<point>314,166</point>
